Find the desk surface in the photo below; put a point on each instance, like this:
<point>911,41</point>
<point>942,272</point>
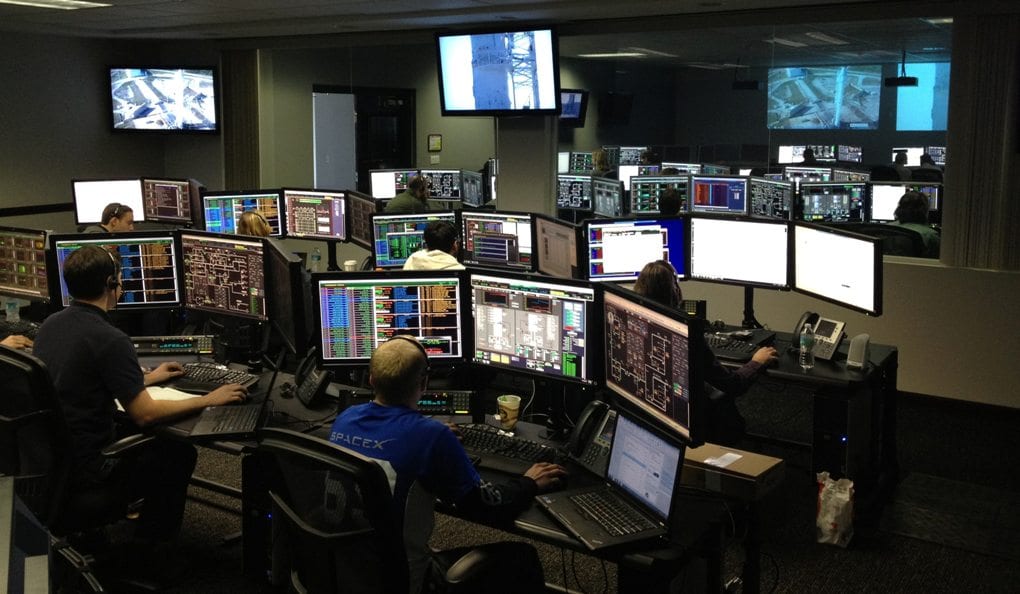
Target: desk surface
<point>833,373</point>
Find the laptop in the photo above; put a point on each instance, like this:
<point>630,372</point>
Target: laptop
<point>235,421</point>
<point>635,502</point>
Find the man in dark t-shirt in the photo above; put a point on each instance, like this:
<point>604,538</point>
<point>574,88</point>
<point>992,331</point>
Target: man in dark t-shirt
<point>93,364</point>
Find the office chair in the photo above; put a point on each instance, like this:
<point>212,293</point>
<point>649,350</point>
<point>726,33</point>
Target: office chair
<point>884,173</point>
<point>896,240</point>
<point>926,175</point>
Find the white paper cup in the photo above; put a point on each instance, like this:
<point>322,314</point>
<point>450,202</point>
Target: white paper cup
<point>509,407</point>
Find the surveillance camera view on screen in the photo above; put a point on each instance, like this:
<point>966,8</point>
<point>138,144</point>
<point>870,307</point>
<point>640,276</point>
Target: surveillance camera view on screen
<point>163,99</point>
<point>822,97</point>
<point>498,71</point>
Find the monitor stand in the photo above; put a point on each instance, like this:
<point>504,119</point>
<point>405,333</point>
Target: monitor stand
<point>749,319</point>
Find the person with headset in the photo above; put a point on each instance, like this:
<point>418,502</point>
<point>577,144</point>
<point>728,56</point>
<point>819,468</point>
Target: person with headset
<point>253,222</point>
<point>116,218</point>
<point>440,249</point>
<point>658,281</point>
<point>414,199</point>
<point>94,366</point>
<point>428,462</point>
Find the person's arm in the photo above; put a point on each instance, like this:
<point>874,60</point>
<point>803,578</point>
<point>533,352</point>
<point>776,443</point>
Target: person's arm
<point>145,410</point>
<point>165,371</point>
<point>736,382</point>
<point>17,341</point>
<point>501,503</point>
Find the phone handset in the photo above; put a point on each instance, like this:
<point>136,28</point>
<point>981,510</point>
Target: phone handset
<point>828,334</point>
<point>592,437</point>
<point>310,380</point>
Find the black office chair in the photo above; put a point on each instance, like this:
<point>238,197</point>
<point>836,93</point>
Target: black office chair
<point>884,173</point>
<point>896,240</point>
<point>926,175</point>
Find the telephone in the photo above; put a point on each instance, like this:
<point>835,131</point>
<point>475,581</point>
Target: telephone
<point>592,437</point>
<point>828,334</point>
<point>311,381</point>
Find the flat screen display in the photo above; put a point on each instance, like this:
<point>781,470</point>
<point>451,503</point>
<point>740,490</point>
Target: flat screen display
<point>926,106</point>
<point>387,183</point>
<point>223,210</point>
<point>856,283</point>
<point>574,192</point>
<point>396,237</point>
<point>223,274</point>
<point>770,199</point>
<point>167,200</point>
<point>574,107</point>
<point>645,192</point>
<point>619,249</point>
<point>556,247</point>
<point>824,97</point>
<point>316,214</point>
<point>498,239</point>
<point>23,264</point>
<point>718,194</point>
<point>91,197</point>
<point>833,202</point>
<point>720,248</point>
<point>157,99</point>
<point>499,73</point>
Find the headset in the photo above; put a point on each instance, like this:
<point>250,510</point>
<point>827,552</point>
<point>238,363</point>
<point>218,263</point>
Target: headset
<point>414,341</point>
<point>113,280</point>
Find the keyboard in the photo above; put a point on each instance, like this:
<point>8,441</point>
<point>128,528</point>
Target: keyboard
<point>614,515</point>
<point>223,420</point>
<point>731,349</point>
<point>205,377</point>
<point>505,453</point>
<point>22,327</point>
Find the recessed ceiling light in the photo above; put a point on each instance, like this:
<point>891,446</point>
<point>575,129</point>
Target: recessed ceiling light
<point>826,38</point>
<point>616,55</point>
<point>786,42</point>
<point>939,21</point>
<point>57,4</point>
<point>650,51</point>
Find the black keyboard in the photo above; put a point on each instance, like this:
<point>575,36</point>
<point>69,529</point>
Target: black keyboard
<point>731,349</point>
<point>228,419</point>
<point>503,452</point>
<point>22,327</point>
<point>614,515</point>
<point>206,377</point>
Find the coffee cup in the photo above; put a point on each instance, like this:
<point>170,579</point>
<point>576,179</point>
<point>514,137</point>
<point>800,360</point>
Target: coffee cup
<point>509,407</point>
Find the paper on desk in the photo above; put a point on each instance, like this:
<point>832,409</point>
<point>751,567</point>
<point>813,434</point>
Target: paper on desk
<point>724,460</point>
<point>164,393</point>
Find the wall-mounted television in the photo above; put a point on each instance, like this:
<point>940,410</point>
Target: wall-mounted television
<point>824,97</point>
<point>163,99</point>
<point>499,72</point>
<point>575,107</point>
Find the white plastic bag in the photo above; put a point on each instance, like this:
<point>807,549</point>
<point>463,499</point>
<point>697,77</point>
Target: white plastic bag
<point>835,516</point>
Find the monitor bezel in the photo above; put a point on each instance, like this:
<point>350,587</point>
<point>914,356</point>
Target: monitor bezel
<point>301,340</point>
<point>429,197</point>
<point>690,194</point>
<point>466,329</point>
<point>593,343</point>
<point>416,170</point>
<point>574,122</point>
<point>378,205</point>
<point>696,362</point>
<point>55,276</point>
<point>624,199</point>
<point>229,237</point>
<point>171,220</point>
<point>48,296</point>
<point>876,311</point>
<point>789,185</point>
<point>249,193</point>
<point>591,183</point>
<point>491,213</point>
<point>685,208</point>
<point>576,229</point>
<point>217,101</point>
<point>742,283</point>
<point>427,213</point>
<point>865,198</point>
<point>285,218</point>
<point>138,210</point>
<point>586,245</point>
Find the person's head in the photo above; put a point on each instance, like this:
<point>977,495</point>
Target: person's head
<point>91,273</point>
<point>441,235</point>
<point>808,155</point>
<point>254,223</point>
<point>600,161</point>
<point>418,186</point>
<point>118,218</point>
<point>900,158</point>
<point>913,208</point>
<point>927,160</point>
<point>658,282</point>
<point>649,157</point>
<point>398,371</point>
<point>669,202</point>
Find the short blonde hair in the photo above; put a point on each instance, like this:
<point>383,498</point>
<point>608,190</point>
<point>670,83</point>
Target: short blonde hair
<point>395,368</point>
<point>254,223</point>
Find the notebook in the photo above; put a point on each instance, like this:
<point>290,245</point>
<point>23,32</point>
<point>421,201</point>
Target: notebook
<point>235,420</point>
<point>635,502</point>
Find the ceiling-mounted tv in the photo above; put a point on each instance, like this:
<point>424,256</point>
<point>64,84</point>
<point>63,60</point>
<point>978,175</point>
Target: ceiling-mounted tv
<point>163,99</point>
<point>499,72</point>
<point>575,107</point>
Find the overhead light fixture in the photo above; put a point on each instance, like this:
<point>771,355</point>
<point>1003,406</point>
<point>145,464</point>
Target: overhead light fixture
<point>57,4</point>
<point>615,55</point>
<point>705,66</point>
<point>902,80</point>
<point>786,42</point>
<point>826,38</point>
<point>939,21</point>
<point>652,52</point>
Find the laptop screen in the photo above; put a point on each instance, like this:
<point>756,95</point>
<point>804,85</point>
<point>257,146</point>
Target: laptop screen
<point>644,465</point>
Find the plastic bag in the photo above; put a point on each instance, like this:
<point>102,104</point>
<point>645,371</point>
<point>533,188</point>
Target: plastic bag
<point>835,514</point>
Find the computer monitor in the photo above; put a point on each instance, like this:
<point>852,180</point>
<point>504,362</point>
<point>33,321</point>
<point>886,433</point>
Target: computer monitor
<point>581,162</point>
<point>563,162</point>
<point>359,311</point>
<point>855,282</point>
<point>770,199</point>
<point>684,168</point>
<point>612,155</point>
<point>92,195</point>
<point>396,236</point>
<point>443,184</point>
<point>804,174</point>
<point>574,192</point>
<point>841,175</point>
<point>575,107</point>
<point>718,194</point>
<point>850,153</point>
<point>618,249</point>
<point>645,192</point>
<point>387,183</point>
<point>651,360</point>
<point>223,274</point>
<point>710,169</point>
<point>534,325</point>
<point>148,263</point>
<point>740,251</point>
<point>631,155</point>
<point>287,299</point>
<point>913,154</point>
<point>556,247</point>
<point>472,188</point>
<point>938,154</point>
<point>498,238</point>
<point>608,197</point>
<point>833,202</point>
<point>167,201</point>
<point>360,209</point>
<point>223,209</point>
<point>315,214</point>
<point>23,264</point>
<point>884,197</point>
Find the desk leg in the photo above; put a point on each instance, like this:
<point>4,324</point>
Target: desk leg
<point>751,576</point>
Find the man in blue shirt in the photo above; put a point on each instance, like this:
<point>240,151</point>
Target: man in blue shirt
<point>425,460</point>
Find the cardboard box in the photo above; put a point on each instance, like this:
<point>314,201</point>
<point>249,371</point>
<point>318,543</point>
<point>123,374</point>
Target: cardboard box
<point>735,473</point>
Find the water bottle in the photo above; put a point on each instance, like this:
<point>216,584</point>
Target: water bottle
<point>316,260</point>
<point>807,344</point>
<point>12,308</point>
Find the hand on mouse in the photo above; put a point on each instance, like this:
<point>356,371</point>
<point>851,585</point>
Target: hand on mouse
<point>546,475</point>
<point>765,355</point>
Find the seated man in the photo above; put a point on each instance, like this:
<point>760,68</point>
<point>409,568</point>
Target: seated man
<point>420,453</point>
<point>440,251</point>
<point>412,200</point>
<point>117,218</point>
<point>93,364</point>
